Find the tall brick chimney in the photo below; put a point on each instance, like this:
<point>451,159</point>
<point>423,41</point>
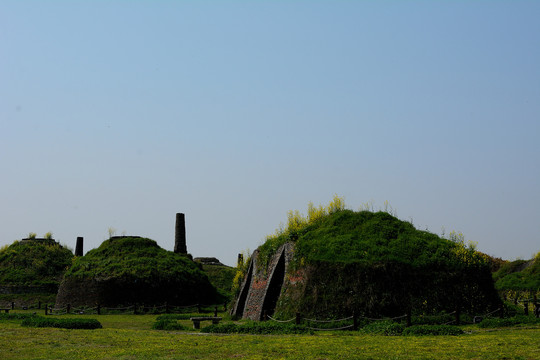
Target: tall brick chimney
<point>79,247</point>
<point>180,234</point>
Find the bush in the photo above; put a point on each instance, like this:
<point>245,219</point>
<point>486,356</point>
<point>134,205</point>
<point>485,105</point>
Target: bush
<point>39,321</point>
<point>166,324</point>
<point>257,328</point>
<point>174,317</point>
<point>432,330</point>
<point>388,328</point>
<point>516,320</point>
<point>16,316</point>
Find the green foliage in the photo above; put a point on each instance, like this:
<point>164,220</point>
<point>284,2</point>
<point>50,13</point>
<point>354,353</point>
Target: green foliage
<point>387,328</point>
<point>33,263</point>
<point>39,321</point>
<point>131,258</point>
<point>168,324</point>
<point>519,275</point>
<point>137,269</point>
<point>433,330</point>
<point>240,272</point>
<point>396,266</point>
<point>513,321</point>
<point>174,317</point>
<point>16,316</point>
<point>222,278</point>
<point>253,327</point>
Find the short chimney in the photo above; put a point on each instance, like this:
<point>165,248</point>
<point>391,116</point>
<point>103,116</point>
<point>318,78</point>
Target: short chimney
<point>180,234</point>
<point>79,247</point>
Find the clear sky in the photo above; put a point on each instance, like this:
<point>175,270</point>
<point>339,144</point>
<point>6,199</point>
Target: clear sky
<point>122,113</point>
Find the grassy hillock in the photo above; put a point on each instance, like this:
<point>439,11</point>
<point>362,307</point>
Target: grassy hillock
<point>377,263</point>
<point>519,275</point>
<point>33,263</point>
<point>132,270</point>
<point>221,277</point>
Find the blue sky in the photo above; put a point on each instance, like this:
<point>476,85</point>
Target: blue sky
<point>122,113</point>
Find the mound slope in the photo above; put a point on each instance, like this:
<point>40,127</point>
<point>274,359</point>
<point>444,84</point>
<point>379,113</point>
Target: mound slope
<point>130,270</point>
<point>371,263</point>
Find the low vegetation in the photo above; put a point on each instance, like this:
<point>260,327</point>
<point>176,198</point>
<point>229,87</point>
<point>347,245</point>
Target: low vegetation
<point>130,270</point>
<point>33,263</point>
<point>256,327</point>
<point>376,264</point>
<point>69,323</point>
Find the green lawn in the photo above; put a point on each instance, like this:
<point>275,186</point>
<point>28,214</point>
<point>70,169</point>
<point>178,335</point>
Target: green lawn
<point>130,337</point>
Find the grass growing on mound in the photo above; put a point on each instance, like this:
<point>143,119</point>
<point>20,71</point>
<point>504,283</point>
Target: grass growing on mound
<point>130,270</point>
<point>33,263</point>
<point>383,265</point>
<point>222,278</point>
<point>40,322</point>
<point>129,257</point>
<point>520,275</point>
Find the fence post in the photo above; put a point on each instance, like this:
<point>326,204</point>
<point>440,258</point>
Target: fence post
<point>46,308</point>
<point>297,320</point>
<point>68,308</point>
<point>215,311</point>
<point>526,307</point>
<point>409,316</point>
<point>458,313</point>
<point>99,309</point>
<point>355,320</point>
<point>12,305</point>
<point>39,305</point>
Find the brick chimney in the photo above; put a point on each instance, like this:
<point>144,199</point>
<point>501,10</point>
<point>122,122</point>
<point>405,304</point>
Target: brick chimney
<point>180,234</point>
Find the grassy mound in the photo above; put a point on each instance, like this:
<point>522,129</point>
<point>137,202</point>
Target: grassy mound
<point>377,264</point>
<point>135,270</point>
<point>519,275</point>
<point>222,278</point>
<point>32,263</point>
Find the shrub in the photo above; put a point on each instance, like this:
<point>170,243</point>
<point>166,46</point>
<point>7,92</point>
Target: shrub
<point>174,317</point>
<point>39,321</point>
<point>432,330</point>
<point>166,324</point>
<point>388,328</point>
<point>16,316</point>
<point>516,320</point>
<point>257,328</point>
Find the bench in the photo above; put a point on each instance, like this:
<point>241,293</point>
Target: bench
<point>5,309</point>
<point>197,320</point>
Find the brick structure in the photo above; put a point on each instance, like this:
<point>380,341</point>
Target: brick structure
<point>263,287</point>
<point>180,234</point>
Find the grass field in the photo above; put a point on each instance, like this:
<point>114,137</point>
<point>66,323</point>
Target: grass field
<point>131,337</point>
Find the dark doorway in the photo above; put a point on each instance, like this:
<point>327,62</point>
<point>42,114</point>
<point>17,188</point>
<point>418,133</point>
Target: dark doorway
<point>274,288</point>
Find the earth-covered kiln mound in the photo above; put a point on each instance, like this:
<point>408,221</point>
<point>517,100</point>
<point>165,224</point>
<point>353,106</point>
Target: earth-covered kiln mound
<point>519,275</point>
<point>33,265</point>
<point>330,265</point>
<point>133,270</point>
